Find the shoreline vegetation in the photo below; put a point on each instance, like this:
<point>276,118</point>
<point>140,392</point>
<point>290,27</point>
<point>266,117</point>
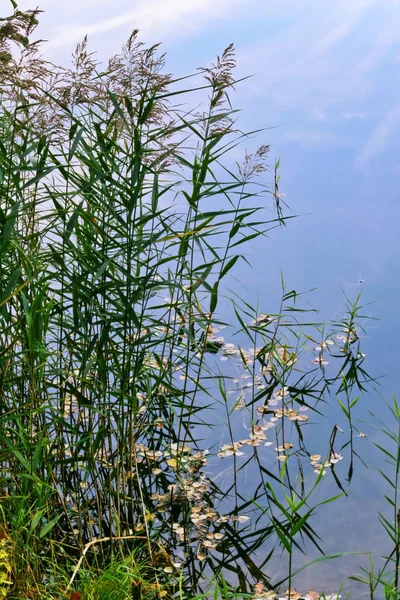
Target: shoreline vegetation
<point>122,220</point>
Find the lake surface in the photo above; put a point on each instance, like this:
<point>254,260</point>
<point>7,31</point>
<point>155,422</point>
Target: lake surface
<point>345,240</point>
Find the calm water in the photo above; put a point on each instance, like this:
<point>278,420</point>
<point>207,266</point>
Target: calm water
<point>349,233</point>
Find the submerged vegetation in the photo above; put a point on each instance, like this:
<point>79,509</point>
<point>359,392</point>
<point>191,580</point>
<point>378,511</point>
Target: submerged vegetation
<point>122,218</point>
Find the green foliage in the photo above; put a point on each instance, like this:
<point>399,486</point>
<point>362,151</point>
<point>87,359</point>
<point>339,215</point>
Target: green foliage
<point>122,220</point>
<point>384,580</point>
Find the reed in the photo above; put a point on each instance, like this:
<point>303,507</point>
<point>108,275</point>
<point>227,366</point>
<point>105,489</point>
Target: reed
<point>122,219</point>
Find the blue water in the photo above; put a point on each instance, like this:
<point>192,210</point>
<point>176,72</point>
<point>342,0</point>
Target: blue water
<point>346,233</point>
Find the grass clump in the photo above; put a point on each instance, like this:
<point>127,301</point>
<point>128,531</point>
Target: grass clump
<point>5,564</point>
<point>122,217</point>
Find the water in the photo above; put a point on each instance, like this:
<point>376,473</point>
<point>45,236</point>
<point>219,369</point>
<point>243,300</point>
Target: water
<point>347,236</point>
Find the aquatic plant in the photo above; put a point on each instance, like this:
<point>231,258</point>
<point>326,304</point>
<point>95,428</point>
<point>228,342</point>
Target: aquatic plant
<point>122,217</point>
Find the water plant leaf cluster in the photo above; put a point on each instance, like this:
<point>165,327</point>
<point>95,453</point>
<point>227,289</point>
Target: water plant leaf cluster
<point>122,220</point>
